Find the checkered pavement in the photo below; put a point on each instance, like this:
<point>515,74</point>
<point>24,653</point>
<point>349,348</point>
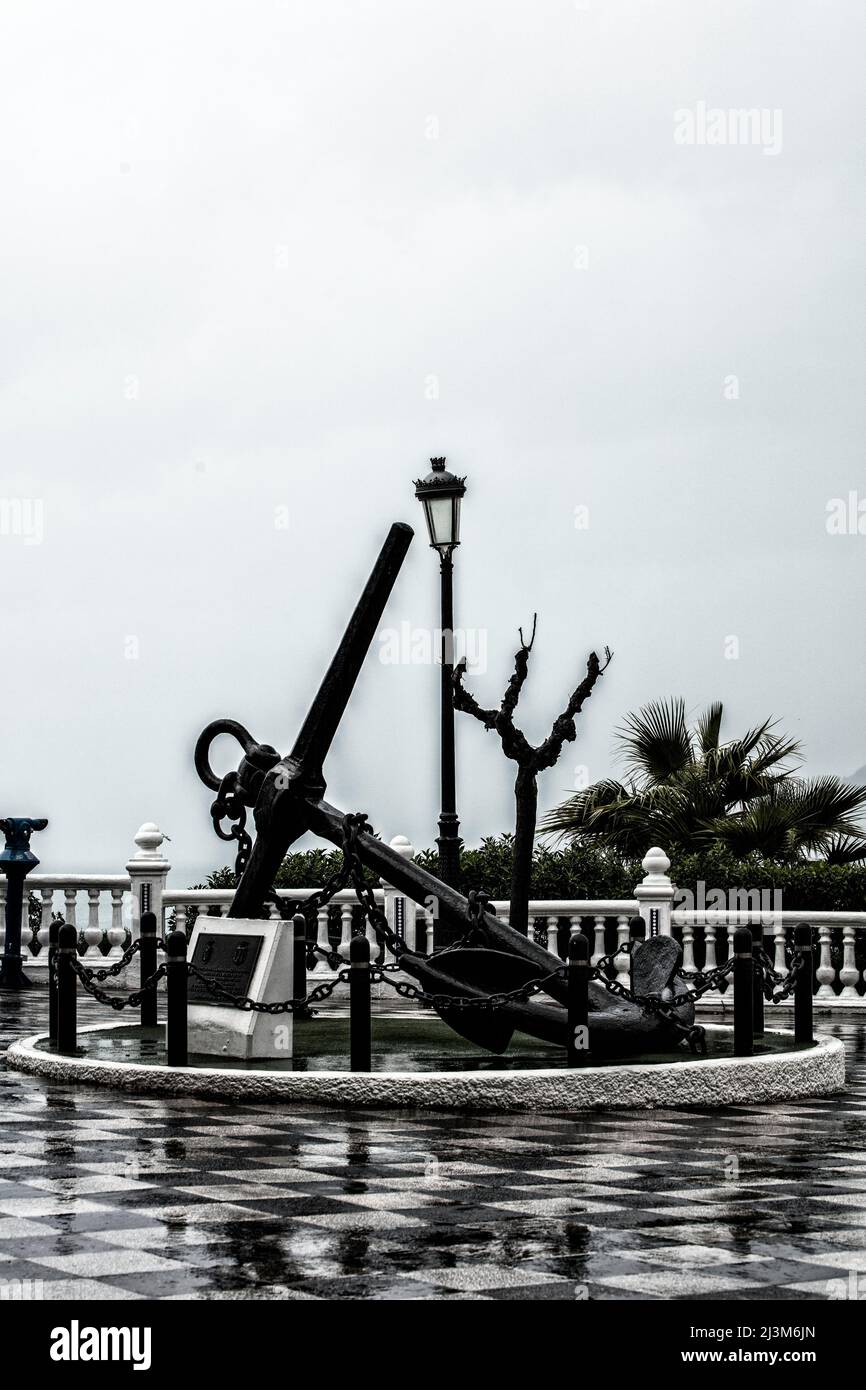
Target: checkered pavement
<point>105,1195</point>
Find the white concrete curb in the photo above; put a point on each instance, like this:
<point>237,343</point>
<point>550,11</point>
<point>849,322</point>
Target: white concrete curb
<point>815,1071</point>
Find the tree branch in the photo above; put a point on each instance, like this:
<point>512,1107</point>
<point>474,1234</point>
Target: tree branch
<point>547,753</point>
<point>521,668</point>
<point>466,702</point>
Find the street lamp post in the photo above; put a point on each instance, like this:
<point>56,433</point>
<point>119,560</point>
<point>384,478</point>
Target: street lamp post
<point>441,494</point>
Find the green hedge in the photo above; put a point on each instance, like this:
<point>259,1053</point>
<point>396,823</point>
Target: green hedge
<point>584,871</point>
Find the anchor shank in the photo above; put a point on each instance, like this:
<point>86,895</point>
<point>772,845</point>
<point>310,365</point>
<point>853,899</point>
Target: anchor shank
<point>323,720</point>
<point>282,804</point>
<point>451,907</point>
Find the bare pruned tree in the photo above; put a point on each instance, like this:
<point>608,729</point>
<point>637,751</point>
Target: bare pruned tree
<point>530,760</point>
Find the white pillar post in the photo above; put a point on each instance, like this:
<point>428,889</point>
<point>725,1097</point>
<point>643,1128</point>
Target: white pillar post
<point>147,869</point>
<point>399,910</point>
<point>655,894</point>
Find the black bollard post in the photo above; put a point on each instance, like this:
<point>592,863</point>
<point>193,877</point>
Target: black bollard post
<point>578,999</point>
<point>67,981</point>
<point>803,986</point>
<point>757,982</point>
<point>360,1026</point>
<point>744,992</point>
<point>53,938</point>
<point>635,936</point>
<point>175,1000</point>
<point>147,959</point>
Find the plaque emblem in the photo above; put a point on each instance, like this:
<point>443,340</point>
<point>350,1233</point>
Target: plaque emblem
<point>229,960</point>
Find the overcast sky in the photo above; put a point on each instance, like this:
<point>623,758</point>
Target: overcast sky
<point>261,261</point>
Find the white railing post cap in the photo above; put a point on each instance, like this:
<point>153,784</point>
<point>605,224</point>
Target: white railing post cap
<point>655,865</point>
<point>149,838</point>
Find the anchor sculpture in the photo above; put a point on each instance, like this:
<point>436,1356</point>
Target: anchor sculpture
<point>287,796</point>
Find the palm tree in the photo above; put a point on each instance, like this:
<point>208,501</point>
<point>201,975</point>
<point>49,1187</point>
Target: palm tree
<point>687,790</point>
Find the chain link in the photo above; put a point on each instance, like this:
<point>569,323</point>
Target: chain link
<point>119,965</point>
<point>114,1001</point>
<point>283,1006</point>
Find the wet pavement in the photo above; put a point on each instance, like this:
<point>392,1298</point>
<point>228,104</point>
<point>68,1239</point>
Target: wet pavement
<point>109,1195</point>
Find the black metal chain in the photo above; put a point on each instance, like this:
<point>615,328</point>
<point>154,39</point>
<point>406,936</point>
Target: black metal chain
<point>770,976</point>
<point>282,1006</point>
<point>443,1003</point>
<point>115,1001</point>
<point>119,965</point>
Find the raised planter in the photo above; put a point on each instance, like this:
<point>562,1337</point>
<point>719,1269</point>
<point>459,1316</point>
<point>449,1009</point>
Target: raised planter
<point>787,1075</point>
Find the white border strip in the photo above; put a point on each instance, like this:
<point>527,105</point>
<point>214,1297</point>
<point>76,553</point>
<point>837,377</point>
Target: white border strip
<point>815,1071</point>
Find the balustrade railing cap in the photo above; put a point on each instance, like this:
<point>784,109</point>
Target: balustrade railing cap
<point>401,845</point>
<point>149,838</point>
<point>655,864</point>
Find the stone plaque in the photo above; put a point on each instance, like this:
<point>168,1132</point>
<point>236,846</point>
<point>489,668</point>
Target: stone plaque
<point>229,960</point>
<point>253,957</point>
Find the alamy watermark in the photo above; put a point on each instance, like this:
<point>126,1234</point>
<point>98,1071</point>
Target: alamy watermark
<point>846,516</point>
<point>763,904</point>
<point>716,125</point>
<point>425,646</point>
<point>24,518</point>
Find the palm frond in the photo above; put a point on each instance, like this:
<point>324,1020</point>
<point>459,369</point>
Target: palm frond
<point>656,740</point>
<point>709,727</point>
<point>846,849</point>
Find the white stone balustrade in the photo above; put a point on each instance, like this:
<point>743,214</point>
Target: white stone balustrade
<point>106,909</point>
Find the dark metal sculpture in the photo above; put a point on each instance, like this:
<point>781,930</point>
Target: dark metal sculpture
<point>287,795</point>
<point>16,861</point>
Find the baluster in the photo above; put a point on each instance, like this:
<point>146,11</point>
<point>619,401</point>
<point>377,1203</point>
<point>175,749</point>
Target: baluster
<point>599,940</point>
<point>710,961</point>
<point>849,974</point>
<point>70,898</point>
<point>825,972</point>
<point>24,921</point>
<point>430,925</point>
<point>117,931</point>
<point>622,964</point>
<point>574,924</point>
<point>688,947</point>
<point>553,935</point>
<point>779,943</point>
<point>346,929</point>
<point>323,941</point>
<point>93,931</point>
<point>47,895</point>
<point>180,917</point>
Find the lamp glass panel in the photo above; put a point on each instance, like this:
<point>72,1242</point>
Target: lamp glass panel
<point>439,519</point>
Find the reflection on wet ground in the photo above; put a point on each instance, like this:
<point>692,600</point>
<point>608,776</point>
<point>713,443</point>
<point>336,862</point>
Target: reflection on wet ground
<point>108,1195</point>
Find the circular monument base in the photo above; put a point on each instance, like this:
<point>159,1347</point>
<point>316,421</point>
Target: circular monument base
<point>787,1074</point>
